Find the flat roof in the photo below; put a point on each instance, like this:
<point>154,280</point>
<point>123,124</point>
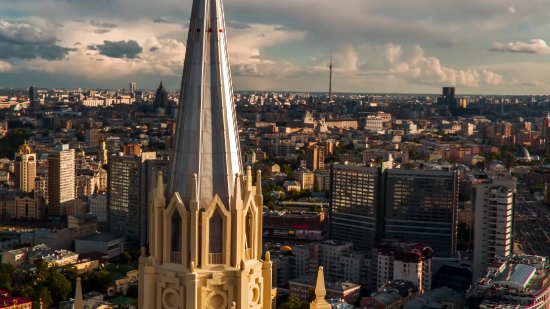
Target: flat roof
<point>102,237</point>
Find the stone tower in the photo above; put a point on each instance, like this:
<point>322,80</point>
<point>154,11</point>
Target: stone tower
<point>205,240</point>
<point>25,168</point>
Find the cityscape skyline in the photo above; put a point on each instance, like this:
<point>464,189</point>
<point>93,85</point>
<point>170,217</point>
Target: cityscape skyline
<point>273,47</point>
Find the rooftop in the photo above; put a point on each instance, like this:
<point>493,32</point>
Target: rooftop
<point>101,237</point>
<point>333,286</point>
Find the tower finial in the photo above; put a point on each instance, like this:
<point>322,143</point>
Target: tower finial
<point>330,80</point>
<point>320,292</point>
<point>78,301</point>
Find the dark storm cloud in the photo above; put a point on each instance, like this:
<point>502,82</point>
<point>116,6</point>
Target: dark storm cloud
<point>48,52</point>
<point>100,24</point>
<point>153,49</point>
<point>163,20</point>
<point>236,25</point>
<point>77,43</point>
<point>121,49</point>
<point>79,20</point>
<point>101,31</point>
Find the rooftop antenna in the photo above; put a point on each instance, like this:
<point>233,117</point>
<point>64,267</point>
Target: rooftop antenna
<point>330,80</point>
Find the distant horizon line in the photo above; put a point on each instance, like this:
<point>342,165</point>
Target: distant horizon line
<point>280,91</point>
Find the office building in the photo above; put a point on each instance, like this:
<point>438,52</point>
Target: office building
<point>132,87</point>
<point>33,96</point>
<point>25,168</point>
<point>61,180</point>
<point>421,207</point>
<point>356,197</point>
<point>91,137</point>
<point>205,224</point>
<point>125,196</point>
<point>161,100</point>
<point>448,97</point>
<point>315,156</point>
<point>494,218</point>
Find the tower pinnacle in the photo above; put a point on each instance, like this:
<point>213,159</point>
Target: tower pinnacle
<point>320,292</point>
<point>206,140</point>
<point>330,80</point>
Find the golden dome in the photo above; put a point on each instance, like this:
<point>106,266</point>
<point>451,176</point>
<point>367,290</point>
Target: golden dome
<point>24,149</point>
<point>286,249</point>
<point>80,153</point>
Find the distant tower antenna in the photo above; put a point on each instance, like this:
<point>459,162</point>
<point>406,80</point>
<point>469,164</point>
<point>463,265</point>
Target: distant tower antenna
<point>330,80</point>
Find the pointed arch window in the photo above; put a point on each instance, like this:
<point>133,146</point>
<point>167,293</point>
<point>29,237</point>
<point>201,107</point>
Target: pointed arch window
<point>216,233</point>
<point>176,234</point>
<point>248,235</point>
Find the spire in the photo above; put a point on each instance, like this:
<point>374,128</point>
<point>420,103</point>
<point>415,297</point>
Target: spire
<point>161,86</point>
<point>78,301</point>
<point>320,292</point>
<point>330,80</point>
<point>206,141</point>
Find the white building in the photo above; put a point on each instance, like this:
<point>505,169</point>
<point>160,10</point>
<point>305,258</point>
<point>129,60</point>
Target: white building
<point>98,206</point>
<point>374,123</point>
<point>493,221</point>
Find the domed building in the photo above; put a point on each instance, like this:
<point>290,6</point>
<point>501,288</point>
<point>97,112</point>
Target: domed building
<point>79,152</point>
<point>523,154</point>
<point>24,149</point>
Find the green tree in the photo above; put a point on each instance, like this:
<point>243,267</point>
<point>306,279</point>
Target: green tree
<point>132,291</point>
<point>311,296</point>
<point>125,258</point>
<point>292,303</point>
<point>59,287</point>
<point>71,273</point>
<point>42,294</point>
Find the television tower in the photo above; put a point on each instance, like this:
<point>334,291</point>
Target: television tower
<point>330,80</point>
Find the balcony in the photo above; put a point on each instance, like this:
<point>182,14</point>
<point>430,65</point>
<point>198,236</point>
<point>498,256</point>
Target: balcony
<point>175,257</point>
<point>248,254</point>
<point>215,258</point>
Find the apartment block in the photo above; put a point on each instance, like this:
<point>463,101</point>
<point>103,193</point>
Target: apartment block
<point>494,218</point>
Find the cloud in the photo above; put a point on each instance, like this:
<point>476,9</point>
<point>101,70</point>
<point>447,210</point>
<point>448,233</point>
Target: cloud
<point>236,25</point>
<point>121,49</point>
<point>534,46</point>
<point>511,10</point>
<point>77,43</point>
<point>153,49</point>
<point>101,31</point>
<point>23,34</point>
<point>280,28</point>
<point>59,25</point>
<point>47,52</point>
<point>101,24</point>
<point>4,66</point>
<point>79,21</point>
<point>163,20</point>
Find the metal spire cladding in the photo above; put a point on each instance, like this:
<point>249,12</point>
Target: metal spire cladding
<point>206,139</point>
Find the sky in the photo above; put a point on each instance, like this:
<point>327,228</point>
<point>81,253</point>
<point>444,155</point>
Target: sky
<point>480,47</point>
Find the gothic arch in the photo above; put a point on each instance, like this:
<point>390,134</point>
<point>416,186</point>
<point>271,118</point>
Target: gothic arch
<point>173,248</point>
<point>215,210</point>
<point>250,227</point>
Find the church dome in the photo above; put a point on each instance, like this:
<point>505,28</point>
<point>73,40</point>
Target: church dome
<point>523,154</point>
<point>24,149</point>
<point>286,249</point>
<point>79,152</point>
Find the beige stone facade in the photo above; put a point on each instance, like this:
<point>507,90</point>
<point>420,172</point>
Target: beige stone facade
<point>206,256</point>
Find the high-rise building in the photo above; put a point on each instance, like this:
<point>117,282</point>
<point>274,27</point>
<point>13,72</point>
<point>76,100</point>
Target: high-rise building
<point>91,137</point>
<point>25,168</point>
<point>161,100</point>
<point>125,196</point>
<point>61,180</point>
<point>132,87</point>
<point>33,96</point>
<point>356,204</point>
<point>205,225</point>
<point>421,207</point>
<point>315,156</point>
<point>448,97</point>
<point>494,218</point>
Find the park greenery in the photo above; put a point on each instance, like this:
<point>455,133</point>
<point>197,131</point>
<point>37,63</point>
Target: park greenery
<point>52,284</point>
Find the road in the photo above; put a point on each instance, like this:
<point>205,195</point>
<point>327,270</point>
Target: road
<point>532,223</point>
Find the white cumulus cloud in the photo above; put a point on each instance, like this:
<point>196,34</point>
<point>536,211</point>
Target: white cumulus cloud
<point>534,46</point>
<point>4,66</point>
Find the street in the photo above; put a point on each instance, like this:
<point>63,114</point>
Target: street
<point>532,223</point>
